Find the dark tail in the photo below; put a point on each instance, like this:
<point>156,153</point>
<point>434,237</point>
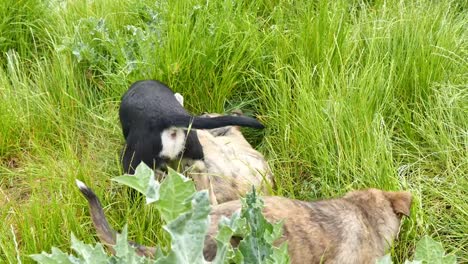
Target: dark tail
<point>215,122</point>
<point>105,232</point>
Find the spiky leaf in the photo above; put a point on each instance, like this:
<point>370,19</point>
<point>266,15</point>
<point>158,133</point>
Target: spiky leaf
<point>430,251</point>
<point>280,255</point>
<point>385,260</point>
<point>175,194</point>
<point>256,247</point>
<point>413,262</point>
<point>143,181</point>
<point>56,257</point>
<point>188,232</point>
<point>226,229</point>
<point>88,253</point>
<point>124,253</point>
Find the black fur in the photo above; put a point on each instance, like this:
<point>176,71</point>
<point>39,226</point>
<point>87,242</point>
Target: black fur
<point>148,108</point>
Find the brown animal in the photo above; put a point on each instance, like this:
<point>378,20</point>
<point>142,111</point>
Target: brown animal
<point>230,166</point>
<point>357,228</point>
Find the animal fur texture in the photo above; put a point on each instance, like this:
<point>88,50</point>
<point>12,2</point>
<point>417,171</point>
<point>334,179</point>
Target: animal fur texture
<point>231,166</point>
<point>154,125</point>
<point>357,228</point>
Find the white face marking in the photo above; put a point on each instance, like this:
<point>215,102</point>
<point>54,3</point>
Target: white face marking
<point>173,141</point>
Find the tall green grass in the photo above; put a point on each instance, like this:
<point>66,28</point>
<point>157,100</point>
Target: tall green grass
<point>354,94</point>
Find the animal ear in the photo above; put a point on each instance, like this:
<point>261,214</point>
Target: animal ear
<point>179,98</point>
<point>400,201</point>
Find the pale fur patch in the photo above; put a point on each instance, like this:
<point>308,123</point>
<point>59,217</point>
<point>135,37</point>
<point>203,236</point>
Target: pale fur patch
<point>173,141</point>
<point>81,184</point>
<point>179,98</point>
<point>232,166</point>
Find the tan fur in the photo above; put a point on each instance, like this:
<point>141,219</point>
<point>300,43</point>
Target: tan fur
<point>230,166</point>
<point>357,228</point>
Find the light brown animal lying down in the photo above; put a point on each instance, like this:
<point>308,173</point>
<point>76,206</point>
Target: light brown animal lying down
<point>357,228</point>
<point>230,166</point>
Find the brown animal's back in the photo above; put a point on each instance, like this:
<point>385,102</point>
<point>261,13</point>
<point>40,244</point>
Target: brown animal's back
<point>328,231</point>
<point>232,166</point>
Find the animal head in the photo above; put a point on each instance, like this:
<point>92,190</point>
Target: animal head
<point>384,209</point>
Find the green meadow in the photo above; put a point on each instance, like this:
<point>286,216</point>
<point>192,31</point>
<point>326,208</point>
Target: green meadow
<point>353,94</point>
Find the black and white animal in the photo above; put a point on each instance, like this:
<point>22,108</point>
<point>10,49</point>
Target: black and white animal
<point>158,129</point>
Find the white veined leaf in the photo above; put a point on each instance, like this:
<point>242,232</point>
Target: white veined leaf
<point>385,260</point>
<point>226,229</point>
<point>188,232</point>
<point>124,253</point>
<point>88,253</point>
<point>413,262</point>
<point>56,257</point>
<point>143,181</point>
<point>174,195</point>
<point>430,251</point>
